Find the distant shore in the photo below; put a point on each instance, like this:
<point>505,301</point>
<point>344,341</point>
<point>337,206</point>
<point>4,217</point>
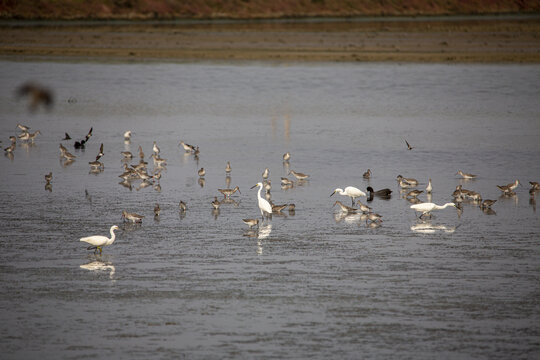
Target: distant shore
<point>474,39</point>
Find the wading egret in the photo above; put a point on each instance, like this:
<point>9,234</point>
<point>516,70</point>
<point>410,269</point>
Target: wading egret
<point>350,191</point>
<point>264,205</point>
<point>427,208</point>
<point>98,241</point>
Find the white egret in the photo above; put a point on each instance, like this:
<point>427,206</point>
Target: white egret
<point>427,208</point>
<point>350,191</point>
<point>264,205</point>
<point>98,241</point>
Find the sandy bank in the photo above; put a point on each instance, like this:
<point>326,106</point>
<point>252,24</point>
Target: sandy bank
<point>490,40</point>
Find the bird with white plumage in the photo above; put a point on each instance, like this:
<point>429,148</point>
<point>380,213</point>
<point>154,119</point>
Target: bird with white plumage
<point>98,241</point>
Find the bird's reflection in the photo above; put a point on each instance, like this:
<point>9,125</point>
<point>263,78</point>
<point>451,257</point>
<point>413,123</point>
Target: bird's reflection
<point>95,170</point>
<point>373,224</point>
<point>126,184</point>
<point>65,163</point>
<point>201,182</point>
<point>228,181</point>
<point>98,264</point>
<point>488,211</point>
<point>9,155</point>
<point>264,231</point>
<point>130,226</point>
<point>215,213</point>
<point>157,187</point>
<point>229,201</point>
<point>143,184</point>
<point>259,247</point>
<point>427,227</point>
<point>349,218</point>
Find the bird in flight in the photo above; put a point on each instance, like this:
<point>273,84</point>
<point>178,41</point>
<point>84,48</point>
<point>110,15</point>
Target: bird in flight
<point>409,147</point>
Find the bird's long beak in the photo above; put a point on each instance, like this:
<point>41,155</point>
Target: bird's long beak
<point>253,186</point>
<point>239,190</point>
<point>332,194</point>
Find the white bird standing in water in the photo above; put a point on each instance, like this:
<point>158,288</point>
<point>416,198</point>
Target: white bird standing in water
<point>98,241</point>
<point>427,208</point>
<point>350,191</point>
<point>264,205</point>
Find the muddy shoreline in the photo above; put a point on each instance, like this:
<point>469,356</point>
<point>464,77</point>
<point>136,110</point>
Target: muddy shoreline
<point>459,39</point>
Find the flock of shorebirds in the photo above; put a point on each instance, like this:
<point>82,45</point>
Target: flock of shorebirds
<point>139,171</point>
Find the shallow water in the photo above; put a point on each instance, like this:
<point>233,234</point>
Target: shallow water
<point>310,284</point>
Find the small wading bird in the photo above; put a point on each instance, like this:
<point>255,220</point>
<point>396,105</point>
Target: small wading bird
<point>264,205</point>
<point>465,175</point>
<point>351,192</point>
<point>429,187</point>
<point>367,174</point>
<point>427,208</point>
<point>286,156</point>
<point>134,218</point>
<point>487,203</point>
<point>344,208</point>
<point>409,181</point>
<point>251,222</point>
<point>229,192</point>
<point>182,205</point>
<point>98,241</point>
<point>187,147</point>
<point>298,175</point>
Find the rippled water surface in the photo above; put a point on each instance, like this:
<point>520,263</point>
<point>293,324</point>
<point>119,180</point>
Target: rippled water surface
<point>314,283</point>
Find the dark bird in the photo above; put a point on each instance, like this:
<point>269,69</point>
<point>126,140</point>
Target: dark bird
<point>67,137</point>
<point>383,193</point>
<point>409,147</point>
<point>38,95</point>
<point>100,152</point>
<point>80,144</point>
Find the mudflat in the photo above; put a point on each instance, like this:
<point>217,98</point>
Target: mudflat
<point>513,39</point>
